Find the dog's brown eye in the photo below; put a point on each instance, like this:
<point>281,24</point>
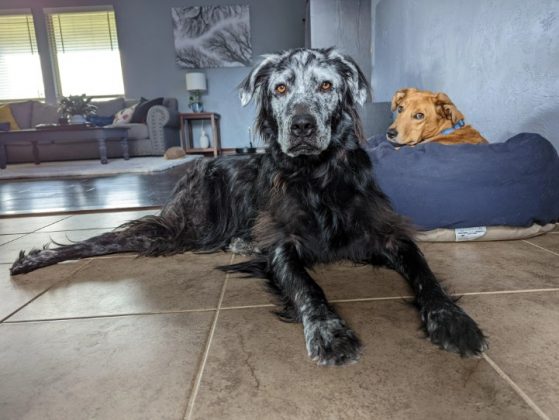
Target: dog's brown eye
<point>281,89</point>
<point>419,116</point>
<point>326,86</point>
<point>400,109</point>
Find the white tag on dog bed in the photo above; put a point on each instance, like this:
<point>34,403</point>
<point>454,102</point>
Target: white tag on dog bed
<point>469,234</point>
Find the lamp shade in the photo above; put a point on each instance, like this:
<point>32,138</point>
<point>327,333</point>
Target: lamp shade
<point>195,81</point>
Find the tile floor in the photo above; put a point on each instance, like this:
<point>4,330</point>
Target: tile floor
<point>171,338</point>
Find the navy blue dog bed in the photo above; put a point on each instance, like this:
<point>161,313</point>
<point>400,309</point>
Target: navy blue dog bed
<point>515,183</point>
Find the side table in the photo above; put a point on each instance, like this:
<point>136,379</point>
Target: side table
<point>187,141</point>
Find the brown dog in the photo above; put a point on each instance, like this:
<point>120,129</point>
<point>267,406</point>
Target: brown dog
<point>425,116</point>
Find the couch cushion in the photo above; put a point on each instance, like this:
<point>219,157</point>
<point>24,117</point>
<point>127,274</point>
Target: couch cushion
<point>7,117</point>
<point>43,114</point>
<point>136,131</point>
<point>141,111</point>
<point>22,112</point>
<point>109,108</point>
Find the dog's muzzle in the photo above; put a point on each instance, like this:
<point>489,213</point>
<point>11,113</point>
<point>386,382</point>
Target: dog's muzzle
<point>303,135</point>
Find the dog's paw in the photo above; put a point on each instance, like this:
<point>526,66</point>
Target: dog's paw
<point>29,262</point>
<point>331,342</point>
<point>452,329</point>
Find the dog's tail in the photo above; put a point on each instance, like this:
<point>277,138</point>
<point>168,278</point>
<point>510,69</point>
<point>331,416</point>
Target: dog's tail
<point>150,235</point>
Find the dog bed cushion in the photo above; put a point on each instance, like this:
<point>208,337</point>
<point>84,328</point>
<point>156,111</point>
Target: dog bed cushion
<point>515,183</point>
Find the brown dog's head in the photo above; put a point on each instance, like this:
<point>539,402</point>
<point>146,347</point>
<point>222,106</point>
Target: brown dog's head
<point>420,115</point>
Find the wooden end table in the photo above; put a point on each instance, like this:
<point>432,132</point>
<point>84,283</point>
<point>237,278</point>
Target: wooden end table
<point>187,141</point>
<point>76,133</point>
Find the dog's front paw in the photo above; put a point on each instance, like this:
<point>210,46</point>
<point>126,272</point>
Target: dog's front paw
<point>453,330</point>
<point>331,342</point>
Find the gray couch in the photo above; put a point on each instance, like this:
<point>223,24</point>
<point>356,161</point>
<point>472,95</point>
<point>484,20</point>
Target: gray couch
<point>160,132</point>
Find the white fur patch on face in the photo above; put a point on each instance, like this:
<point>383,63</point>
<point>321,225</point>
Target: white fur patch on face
<point>303,80</point>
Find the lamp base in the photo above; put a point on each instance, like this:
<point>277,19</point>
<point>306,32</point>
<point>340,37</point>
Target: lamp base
<point>197,106</point>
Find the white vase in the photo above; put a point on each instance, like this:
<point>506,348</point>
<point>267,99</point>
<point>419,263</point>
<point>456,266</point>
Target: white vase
<point>76,119</point>
<point>204,140</point>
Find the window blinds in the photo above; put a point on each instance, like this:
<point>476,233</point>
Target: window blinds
<point>20,66</point>
<point>81,31</point>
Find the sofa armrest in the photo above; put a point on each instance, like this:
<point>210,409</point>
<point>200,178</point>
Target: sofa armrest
<point>163,127</point>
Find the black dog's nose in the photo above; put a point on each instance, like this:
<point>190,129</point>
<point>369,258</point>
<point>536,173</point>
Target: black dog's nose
<point>391,133</point>
<point>303,125</point>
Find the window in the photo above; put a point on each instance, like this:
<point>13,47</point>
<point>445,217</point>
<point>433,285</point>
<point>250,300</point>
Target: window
<point>85,49</point>
<point>20,66</point>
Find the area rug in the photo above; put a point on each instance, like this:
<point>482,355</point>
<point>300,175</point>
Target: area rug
<point>89,168</point>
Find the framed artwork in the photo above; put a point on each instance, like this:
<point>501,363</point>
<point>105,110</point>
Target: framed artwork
<point>212,36</point>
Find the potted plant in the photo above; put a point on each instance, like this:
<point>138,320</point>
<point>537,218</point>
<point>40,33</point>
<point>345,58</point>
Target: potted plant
<point>76,108</point>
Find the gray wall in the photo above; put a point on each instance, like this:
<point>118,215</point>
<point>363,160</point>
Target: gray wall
<point>497,60</point>
<point>348,25</point>
<point>345,24</point>
<point>148,57</point>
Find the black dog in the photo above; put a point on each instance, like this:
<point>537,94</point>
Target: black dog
<point>310,199</point>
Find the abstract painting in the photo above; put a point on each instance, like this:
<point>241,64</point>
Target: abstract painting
<point>212,36</point>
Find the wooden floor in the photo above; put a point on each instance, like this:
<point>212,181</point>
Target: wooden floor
<point>74,195</point>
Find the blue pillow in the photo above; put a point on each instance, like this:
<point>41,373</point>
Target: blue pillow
<point>515,183</point>
<point>4,126</point>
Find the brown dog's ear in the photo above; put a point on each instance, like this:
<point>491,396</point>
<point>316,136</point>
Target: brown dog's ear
<point>447,108</point>
<point>398,97</point>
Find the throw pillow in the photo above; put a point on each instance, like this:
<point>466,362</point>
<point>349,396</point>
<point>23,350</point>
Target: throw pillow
<point>22,112</point>
<point>4,126</point>
<point>124,116</point>
<point>43,113</point>
<point>141,111</point>
<point>7,116</point>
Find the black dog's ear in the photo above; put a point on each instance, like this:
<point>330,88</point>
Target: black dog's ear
<point>356,80</point>
<point>251,85</point>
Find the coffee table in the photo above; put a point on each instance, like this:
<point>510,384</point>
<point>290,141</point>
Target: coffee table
<point>77,133</point>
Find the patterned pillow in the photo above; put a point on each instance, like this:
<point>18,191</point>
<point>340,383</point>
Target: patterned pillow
<point>124,115</point>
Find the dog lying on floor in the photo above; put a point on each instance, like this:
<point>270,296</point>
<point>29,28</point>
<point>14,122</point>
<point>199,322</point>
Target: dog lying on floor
<point>424,116</point>
<point>310,199</point>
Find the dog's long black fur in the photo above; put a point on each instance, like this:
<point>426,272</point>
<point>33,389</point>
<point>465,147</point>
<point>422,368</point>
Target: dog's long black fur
<point>298,210</point>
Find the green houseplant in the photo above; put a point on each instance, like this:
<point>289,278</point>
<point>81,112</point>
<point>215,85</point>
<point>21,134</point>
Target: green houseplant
<point>76,108</point>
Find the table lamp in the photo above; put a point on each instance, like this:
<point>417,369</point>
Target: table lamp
<point>196,84</point>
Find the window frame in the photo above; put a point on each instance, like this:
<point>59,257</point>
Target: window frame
<point>27,12</point>
<point>53,50</point>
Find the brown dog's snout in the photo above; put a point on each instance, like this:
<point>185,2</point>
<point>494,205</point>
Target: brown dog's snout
<point>303,125</point>
<point>391,133</point>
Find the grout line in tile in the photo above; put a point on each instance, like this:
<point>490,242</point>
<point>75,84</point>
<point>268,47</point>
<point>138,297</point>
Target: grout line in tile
<point>517,388</point>
<point>541,247</point>
<point>121,315</point>
<point>505,292</point>
<point>370,299</point>
<point>71,273</point>
<point>263,305</point>
<point>497,292</point>
<point>50,224</point>
<point>256,306</point>
<point>198,379</point>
